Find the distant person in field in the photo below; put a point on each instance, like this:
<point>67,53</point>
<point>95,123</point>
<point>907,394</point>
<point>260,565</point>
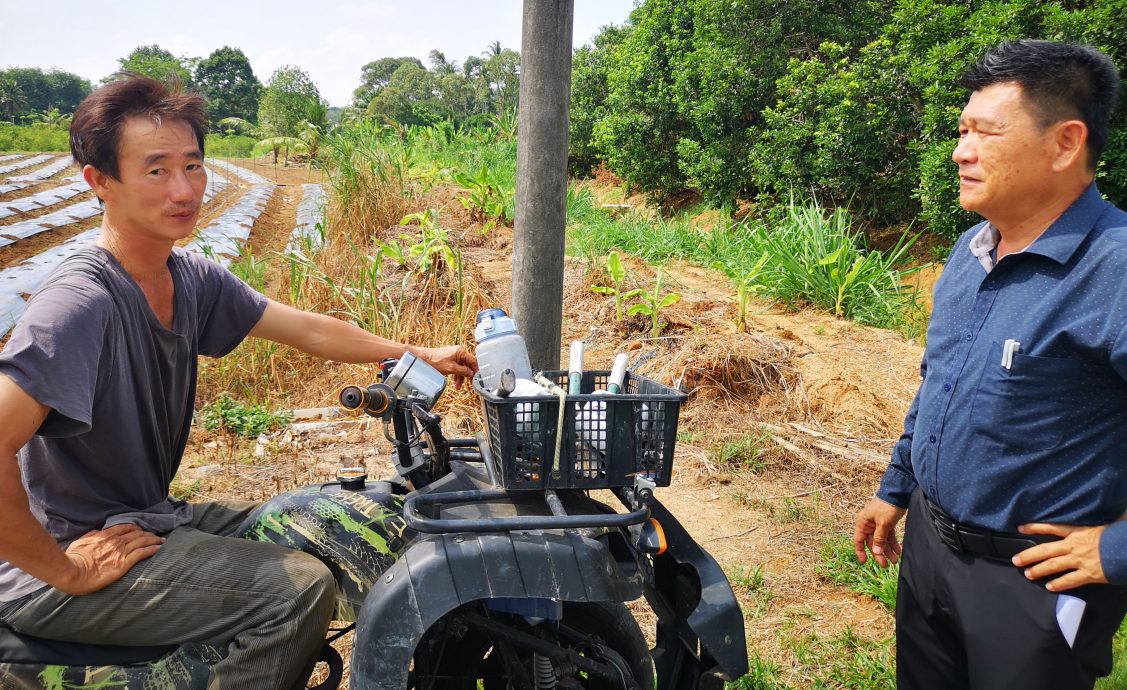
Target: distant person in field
<point>97,386</point>
<point>1013,462</point>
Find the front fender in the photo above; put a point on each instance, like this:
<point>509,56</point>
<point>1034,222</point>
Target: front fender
<point>694,603</point>
<point>440,573</point>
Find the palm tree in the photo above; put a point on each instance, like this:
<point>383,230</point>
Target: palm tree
<point>12,100</point>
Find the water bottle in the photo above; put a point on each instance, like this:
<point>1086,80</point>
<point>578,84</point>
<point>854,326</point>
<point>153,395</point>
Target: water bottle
<point>499,347</point>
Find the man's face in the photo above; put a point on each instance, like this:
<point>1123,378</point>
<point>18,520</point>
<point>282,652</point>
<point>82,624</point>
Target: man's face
<point>1005,157</point>
<point>162,180</point>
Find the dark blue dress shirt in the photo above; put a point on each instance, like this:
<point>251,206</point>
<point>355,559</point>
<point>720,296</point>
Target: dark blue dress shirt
<point>1044,440</point>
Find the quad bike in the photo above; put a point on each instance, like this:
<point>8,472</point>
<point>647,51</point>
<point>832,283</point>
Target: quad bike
<point>486,562</point>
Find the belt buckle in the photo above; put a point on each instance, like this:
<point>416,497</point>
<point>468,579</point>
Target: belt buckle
<point>957,537</point>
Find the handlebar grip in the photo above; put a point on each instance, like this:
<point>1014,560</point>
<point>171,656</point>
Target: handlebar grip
<point>374,400</point>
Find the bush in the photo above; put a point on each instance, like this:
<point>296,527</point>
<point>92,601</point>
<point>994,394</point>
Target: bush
<point>854,102</point>
<point>33,138</point>
<point>229,146</point>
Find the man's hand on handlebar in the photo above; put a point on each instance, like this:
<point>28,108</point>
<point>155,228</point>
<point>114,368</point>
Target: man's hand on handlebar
<point>102,557</point>
<point>451,360</point>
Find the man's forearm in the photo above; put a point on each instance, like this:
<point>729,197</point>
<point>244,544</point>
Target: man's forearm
<point>323,336</point>
<point>341,341</point>
<point>23,541</point>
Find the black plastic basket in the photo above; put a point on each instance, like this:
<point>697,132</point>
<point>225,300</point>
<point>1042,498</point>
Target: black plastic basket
<point>608,439</point>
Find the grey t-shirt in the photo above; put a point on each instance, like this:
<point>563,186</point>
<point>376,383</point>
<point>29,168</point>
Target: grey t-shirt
<point>121,389</point>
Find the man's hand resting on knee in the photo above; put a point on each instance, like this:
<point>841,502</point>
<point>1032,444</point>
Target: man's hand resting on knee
<point>102,557</point>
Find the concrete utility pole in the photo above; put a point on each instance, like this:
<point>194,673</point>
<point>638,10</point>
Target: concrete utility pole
<point>541,208</point>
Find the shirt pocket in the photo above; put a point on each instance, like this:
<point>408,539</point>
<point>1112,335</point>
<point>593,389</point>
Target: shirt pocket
<point>1031,405</point>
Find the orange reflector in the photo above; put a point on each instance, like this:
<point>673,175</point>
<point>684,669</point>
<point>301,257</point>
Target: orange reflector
<point>660,536</point>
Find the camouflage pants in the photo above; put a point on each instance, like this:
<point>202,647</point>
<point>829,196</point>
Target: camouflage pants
<point>267,605</point>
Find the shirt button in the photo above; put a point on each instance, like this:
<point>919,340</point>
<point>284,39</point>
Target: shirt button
<point>969,336</point>
<point>931,439</point>
<point>946,388</point>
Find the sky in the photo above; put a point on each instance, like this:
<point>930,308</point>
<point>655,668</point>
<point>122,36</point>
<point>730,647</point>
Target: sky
<point>331,40</point>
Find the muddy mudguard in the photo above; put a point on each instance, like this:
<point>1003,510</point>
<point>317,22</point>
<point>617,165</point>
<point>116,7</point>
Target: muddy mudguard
<point>439,573</point>
<point>700,629</point>
<point>357,534</point>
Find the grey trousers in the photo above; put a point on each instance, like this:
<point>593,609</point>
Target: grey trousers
<point>268,605</point>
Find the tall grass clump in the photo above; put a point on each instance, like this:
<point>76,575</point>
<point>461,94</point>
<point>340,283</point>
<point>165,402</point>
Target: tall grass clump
<point>816,259</point>
<point>372,183</point>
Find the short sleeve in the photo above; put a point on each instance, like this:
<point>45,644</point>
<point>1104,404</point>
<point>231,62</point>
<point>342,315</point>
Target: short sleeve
<point>55,353</point>
<point>228,308</point>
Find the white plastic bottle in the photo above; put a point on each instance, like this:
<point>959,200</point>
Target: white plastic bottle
<point>499,347</point>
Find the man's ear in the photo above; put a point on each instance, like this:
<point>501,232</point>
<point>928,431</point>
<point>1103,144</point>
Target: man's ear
<point>98,181</point>
<point>1070,141</point>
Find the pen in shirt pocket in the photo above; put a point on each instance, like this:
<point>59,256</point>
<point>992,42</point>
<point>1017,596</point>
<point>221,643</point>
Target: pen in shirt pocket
<point>1008,349</point>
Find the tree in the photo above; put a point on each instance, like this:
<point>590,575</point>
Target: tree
<point>228,81</point>
<point>156,62</point>
<point>588,97</point>
<point>502,72</point>
<point>375,77</point>
<point>12,100</point>
<point>289,103</point>
<point>409,97</point>
<point>67,90</point>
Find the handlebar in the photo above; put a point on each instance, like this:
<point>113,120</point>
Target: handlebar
<point>375,400</point>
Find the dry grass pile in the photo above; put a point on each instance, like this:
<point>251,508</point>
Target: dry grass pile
<point>741,367</point>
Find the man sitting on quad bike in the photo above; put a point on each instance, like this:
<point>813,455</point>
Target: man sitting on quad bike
<point>97,386</point>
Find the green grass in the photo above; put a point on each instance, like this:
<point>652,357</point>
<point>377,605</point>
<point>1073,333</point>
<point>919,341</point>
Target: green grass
<point>744,453</point>
<point>229,146</point>
<point>841,662</point>
<point>811,256</point>
<point>244,419</point>
<point>1117,679</point>
<point>839,565</point>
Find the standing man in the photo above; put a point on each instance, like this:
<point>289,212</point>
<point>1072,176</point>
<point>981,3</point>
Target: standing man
<point>97,386</point>
<point>1013,462</point>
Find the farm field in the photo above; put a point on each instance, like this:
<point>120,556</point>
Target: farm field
<point>787,430</point>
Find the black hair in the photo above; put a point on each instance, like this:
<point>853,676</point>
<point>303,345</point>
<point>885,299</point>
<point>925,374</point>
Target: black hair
<point>95,132</point>
<point>1060,81</point>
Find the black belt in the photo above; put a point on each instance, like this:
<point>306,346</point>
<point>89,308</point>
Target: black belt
<point>1001,546</point>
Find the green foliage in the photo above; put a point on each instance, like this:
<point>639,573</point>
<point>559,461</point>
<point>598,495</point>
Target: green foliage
<point>844,662</point>
<point>290,98</point>
<point>839,565</point>
<point>405,92</point>
<point>249,269</point>
<point>589,72</point>
<point>617,273</point>
<point>685,83</point>
<point>229,146</point>
<point>250,420</point>
<point>745,452</point>
<point>651,303</point>
<point>487,201</point>
<point>817,260</point>
<point>855,103</point>
<point>228,81</point>
<point>156,62</point>
<point>1117,679</point>
<point>747,286</point>
<point>33,138</point>
<point>28,92</point>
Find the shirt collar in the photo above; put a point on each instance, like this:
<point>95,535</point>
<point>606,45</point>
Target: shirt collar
<point>1064,236</point>
<point>983,243</point>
